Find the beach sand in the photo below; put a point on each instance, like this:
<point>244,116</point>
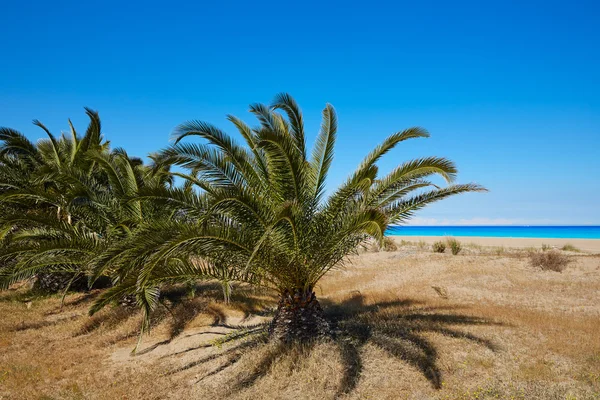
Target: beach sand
<point>587,245</point>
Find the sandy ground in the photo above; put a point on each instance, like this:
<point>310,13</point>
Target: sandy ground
<point>410,324</point>
<point>589,245</point>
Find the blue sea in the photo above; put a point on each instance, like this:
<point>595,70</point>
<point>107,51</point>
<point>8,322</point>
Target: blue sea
<point>546,232</point>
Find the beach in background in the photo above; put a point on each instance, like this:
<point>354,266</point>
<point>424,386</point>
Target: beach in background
<point>503,231</point>
<point>587,245</point>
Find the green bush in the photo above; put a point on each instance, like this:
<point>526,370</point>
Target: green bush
<point>439,247</point>
<point>454,245</point>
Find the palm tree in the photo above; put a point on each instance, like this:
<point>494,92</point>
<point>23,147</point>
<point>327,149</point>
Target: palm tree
<point>259,213</point>
<point>42,184</point>
<point>64,201</point>
<point>44,168</point>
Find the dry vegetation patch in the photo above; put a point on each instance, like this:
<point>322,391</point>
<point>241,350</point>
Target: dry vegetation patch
<point>439,247</point>
<point>550,260</point>
<point>501,330</point>
<point>454,245</point>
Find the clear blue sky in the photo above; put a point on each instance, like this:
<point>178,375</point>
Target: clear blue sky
<point>508,90</point>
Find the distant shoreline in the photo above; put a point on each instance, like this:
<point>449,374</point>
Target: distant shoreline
<point>587,245</point>
<point>574,232</point>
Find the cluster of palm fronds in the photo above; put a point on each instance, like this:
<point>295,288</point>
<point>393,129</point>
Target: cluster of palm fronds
<point>254,213</point>
<point>66,200</point>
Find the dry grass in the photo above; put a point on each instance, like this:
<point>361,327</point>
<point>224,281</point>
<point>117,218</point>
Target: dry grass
<point>455,246</point>
<point>570,247</point>
<point>551,260</point>
<point>439,247</point>
<point>502,330</point>
<point>389,244</point>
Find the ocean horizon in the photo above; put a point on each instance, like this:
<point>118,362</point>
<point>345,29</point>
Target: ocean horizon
<point>503,231</point>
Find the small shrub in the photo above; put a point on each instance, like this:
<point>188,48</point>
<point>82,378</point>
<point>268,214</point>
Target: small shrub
<point>439,247</point>
<point>454,245</point>
<point>570,247</point>
<point>374,247</point>
<point>550,260</point>
<point>422,245</point>
<point>546,247</point>
<point>389,244</point>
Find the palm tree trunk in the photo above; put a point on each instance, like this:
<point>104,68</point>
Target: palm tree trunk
<point>299,317</point>
<point>54,282</point>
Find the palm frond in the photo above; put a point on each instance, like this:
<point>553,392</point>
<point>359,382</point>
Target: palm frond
<point>323,152</point>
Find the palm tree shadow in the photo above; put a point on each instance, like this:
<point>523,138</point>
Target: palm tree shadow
<point>271,353</point>
<point>398,327</point>
<point>242,337</point>
<point>241,340</point>
<point>107,320</point>
<point>182,310</point>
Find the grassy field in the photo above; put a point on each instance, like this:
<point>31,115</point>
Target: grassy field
<point>410,324</point>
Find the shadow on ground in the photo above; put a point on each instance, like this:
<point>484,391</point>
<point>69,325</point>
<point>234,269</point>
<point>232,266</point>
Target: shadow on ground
<point>399,327</point>
<point>177,309</point>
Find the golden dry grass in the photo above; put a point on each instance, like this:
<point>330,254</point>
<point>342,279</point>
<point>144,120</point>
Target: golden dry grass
<point>503,329</point>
